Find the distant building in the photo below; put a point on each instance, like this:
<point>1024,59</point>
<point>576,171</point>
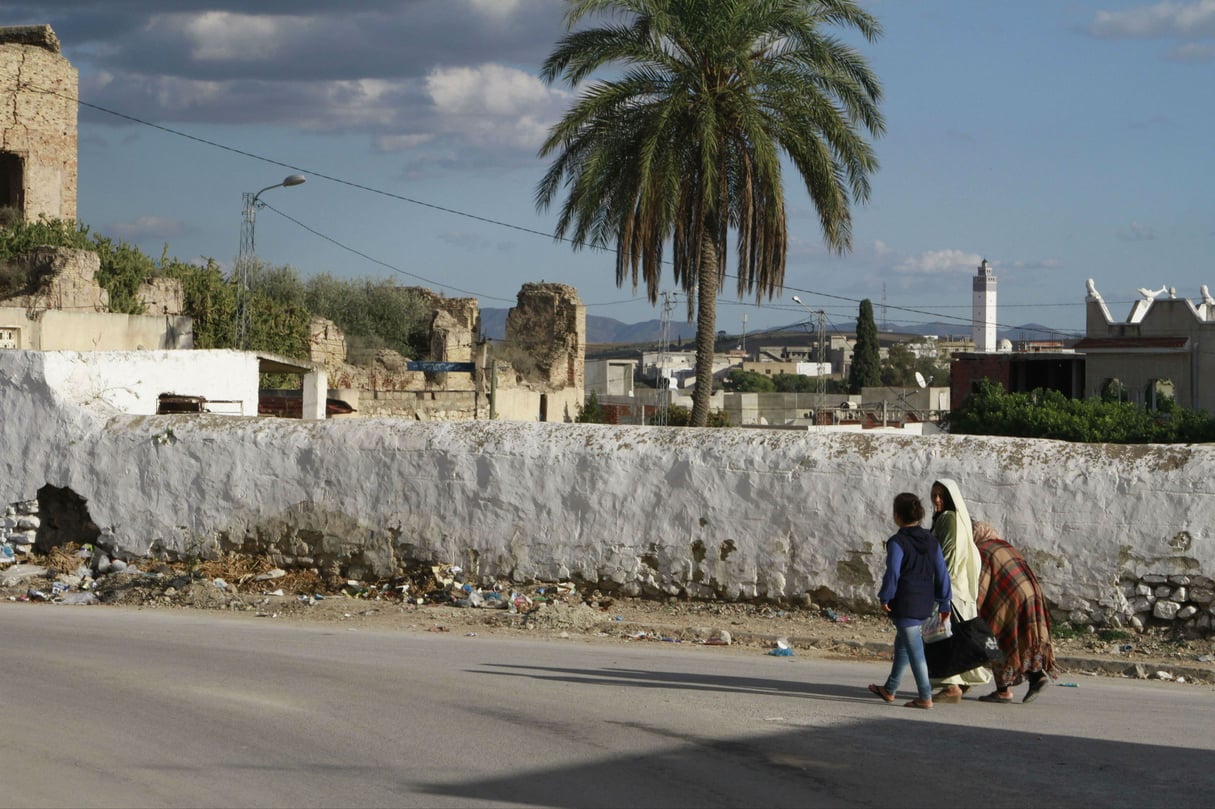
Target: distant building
<point>1017,372</point>
<point>791,368</point>
<point>677,369</point>
<point>1161,349</point>
<point>938,349</point>
<point>612,377</point>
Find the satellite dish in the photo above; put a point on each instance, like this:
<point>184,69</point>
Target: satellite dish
<point>919,380</point>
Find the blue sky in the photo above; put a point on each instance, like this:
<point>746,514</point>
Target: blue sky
<point>1060,140</point>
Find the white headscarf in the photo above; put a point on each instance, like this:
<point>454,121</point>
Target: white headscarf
<point>963,558</point>
<point>965,565</point>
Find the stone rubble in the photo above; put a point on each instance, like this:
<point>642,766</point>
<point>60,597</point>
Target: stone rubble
<point>87,575</point>
<point>1183,603</point>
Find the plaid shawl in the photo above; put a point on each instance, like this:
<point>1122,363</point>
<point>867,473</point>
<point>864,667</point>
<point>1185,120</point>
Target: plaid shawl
<point>1011,602</point>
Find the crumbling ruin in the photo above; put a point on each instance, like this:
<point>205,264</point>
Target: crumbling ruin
<point>463,378</point>
<point>64,308</point>
<point>38,91</point>
<point>549,323</point>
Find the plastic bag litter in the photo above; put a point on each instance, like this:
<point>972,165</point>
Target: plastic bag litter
<point>934,629</point>
<point>783,649</point>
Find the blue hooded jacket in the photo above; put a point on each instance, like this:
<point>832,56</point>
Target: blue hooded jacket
<point>916,578</point>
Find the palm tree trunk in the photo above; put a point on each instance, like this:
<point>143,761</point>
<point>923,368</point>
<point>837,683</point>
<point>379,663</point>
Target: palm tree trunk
<point>706,326</point>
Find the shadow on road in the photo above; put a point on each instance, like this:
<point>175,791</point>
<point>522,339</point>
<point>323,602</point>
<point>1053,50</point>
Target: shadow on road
<point>900,758</point>
<point>682,681</point>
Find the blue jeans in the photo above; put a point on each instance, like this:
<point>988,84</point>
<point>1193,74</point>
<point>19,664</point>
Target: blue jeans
<point>909,648</point>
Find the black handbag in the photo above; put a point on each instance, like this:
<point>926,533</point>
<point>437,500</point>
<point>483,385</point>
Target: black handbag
<point>971,645</point>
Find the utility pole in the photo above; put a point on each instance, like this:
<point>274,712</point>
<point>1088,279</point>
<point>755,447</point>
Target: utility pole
<point>664,394</point>
<point>246,260</point>
<point>822,353</point>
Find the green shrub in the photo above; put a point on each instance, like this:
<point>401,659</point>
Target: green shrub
<point>989,410</point>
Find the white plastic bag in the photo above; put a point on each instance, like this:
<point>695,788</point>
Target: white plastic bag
<point>934,629</point>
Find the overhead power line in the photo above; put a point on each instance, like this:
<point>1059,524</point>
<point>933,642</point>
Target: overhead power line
<point>465,214</point>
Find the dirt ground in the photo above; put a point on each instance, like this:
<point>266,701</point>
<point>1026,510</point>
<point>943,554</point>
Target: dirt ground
<point>431,599</point>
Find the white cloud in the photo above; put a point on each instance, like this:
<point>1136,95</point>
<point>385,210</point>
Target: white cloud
<point>496,8</point>
<point>939,262</point>
<point>1193,20</point>
<point>1036,264</point>
<point>493,104</point>
<point>220,36</point>
<point>358,103</point>
<point>147,227</point>
<point>184,94</point>
<point>490,88</point>
<point>1193,52</point>
<point>399,143</point>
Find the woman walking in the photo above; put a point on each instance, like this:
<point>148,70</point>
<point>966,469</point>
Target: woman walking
<point>1011,601</point>
<point>951,526</point>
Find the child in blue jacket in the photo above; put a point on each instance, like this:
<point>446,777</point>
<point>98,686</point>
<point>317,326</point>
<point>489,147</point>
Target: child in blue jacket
<point>916,583</point>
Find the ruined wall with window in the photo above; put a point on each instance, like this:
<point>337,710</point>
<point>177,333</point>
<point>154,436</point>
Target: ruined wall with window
<point>536,375</point>
<point>38,91</point>
<point>388,387</point>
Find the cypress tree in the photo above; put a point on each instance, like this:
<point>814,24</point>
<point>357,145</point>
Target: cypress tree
<point>866,368</point>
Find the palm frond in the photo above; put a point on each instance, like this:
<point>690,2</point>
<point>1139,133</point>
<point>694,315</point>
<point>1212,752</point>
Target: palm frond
<point>689,142</point>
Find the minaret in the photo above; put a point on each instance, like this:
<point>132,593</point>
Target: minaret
<point>983,325</point>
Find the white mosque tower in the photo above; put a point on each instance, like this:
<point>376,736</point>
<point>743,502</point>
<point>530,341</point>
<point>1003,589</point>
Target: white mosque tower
<point>983,318</point>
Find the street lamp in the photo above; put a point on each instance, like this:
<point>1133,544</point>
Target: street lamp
<point>820,386</point>
<point>245,259</point>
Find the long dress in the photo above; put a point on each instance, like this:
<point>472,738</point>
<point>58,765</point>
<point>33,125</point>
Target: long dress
<point>953,530</point>
<point>1011,601</point>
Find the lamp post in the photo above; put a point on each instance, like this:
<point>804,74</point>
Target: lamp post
<point>246,258</point>
<point>820,386</point>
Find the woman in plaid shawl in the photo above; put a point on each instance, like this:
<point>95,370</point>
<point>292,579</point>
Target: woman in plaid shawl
<point>1011,602</point>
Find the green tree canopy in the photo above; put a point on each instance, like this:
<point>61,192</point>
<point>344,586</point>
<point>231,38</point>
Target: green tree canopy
<point>685,143</point>
<point>373,314</point>
<point>866,370</point>
<point>123,267</point>
<point>742,381</point>
<point>795,383</point>
<point>899,367</point>
<point>989,410</point>
<point>592,411</point>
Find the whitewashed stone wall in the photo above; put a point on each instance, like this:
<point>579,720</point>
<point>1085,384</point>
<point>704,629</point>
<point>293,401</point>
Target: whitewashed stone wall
<point>731,514</point>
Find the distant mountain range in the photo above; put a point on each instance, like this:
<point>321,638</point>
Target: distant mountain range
<point>606,330</point>
<point>598,329</point>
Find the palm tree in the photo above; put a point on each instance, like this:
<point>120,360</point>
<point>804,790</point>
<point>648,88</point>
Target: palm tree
<point>686,144</point>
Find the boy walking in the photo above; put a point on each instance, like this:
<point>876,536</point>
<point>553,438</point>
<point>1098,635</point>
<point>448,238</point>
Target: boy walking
<point>916,582</point>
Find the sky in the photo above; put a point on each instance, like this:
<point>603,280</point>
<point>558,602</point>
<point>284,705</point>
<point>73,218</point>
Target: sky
<point>1060,140</point>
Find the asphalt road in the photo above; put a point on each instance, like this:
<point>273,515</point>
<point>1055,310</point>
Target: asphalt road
<point>113,707</point>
